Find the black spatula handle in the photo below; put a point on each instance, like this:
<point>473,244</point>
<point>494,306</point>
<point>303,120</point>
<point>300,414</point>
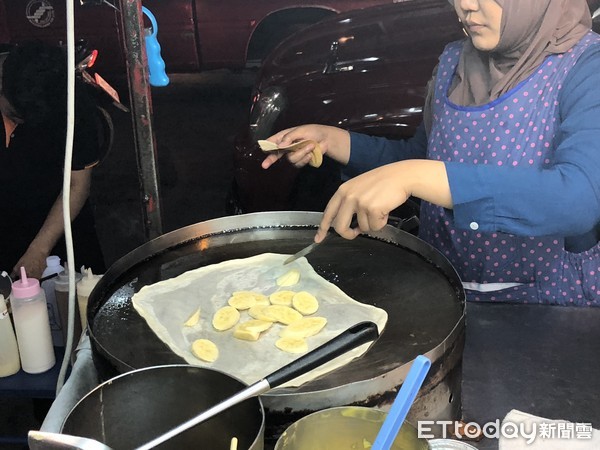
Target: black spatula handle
<point>354,336</point>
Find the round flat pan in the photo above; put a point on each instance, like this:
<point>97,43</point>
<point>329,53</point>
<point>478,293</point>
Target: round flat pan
<point>390,269</point>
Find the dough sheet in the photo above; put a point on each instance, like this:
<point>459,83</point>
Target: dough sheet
<point>166,305</point>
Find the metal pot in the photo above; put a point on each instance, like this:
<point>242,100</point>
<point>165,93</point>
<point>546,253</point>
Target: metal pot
<point>131,409</point>
<point>345,428</point>
<point>391,269</point>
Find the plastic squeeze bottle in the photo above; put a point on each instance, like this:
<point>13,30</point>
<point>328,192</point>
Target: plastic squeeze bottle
<point>84,289</point>
<point>53,267</point>
<point>9,352</point>
<point>61,290</point>
<point>31,324</point>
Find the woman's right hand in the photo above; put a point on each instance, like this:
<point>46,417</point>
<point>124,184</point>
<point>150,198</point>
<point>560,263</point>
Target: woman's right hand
<point>334,142</point>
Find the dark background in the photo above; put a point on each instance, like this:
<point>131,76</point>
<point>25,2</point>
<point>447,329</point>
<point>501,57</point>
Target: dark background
<point>195,120</point>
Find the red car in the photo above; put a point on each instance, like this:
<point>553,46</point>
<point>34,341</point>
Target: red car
<point>364,71</point>
<point>193,34</point>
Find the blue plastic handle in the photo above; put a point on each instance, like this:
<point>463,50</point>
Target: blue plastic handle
<point>404,400</point>
<point>156,65</point>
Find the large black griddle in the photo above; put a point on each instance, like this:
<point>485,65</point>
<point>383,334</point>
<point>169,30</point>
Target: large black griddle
<point>391,269</point>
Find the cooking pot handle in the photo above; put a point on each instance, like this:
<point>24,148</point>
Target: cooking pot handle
<point>359,334</point>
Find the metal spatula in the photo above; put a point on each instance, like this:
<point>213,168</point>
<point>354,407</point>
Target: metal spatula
<point>356,335</point>
<point>306,250</point>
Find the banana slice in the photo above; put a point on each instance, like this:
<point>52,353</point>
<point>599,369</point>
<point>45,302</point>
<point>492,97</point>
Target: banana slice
<point>261,299</point>
<point>225,318</point>
<point>305,302</point>
<point>258,312</point>
<point>256,325</point>
<point>289,278</point>
<point>242,293</point>
<point>242,300</point>
<point>316,157</point>
<point>251,329</point>
<point>305,327</point>
<point>282,314</point>
<point>246,335</point>
<point>193,319</point>
<point>292,345</point>
<point>205,350</point>
<point>282,298</point>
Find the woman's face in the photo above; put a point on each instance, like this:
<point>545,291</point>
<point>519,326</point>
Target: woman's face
<point>482,20</point>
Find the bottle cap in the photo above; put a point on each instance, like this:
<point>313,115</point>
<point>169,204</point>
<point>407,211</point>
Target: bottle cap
<point>5,284</point>
<point>25,287</point>
<point>87,283</point>
<point>52,261</point>
<point>62,278</point>
<point>52,267</point>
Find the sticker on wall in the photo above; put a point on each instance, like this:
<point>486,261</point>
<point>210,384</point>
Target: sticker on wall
<point>40,13</point>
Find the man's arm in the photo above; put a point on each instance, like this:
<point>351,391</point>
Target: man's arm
<point>53,228</point>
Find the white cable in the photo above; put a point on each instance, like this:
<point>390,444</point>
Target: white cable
<point>67,189</point>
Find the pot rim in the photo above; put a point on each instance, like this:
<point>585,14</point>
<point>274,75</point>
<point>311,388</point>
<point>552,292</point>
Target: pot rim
<point>258,442</point>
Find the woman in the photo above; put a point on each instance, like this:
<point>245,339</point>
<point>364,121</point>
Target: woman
<point>33,132</point>
<point>507,162</point>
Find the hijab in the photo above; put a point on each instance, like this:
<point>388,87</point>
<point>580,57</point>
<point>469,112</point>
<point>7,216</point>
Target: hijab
<point>530,30</point>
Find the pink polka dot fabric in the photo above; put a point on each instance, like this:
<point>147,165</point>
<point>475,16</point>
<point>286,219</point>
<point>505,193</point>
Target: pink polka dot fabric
<point>517,130</point>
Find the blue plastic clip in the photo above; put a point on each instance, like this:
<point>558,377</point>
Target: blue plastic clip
<point>404,400</point>
<point>156,65</point>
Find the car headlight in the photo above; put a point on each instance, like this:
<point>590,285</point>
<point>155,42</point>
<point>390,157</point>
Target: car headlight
<point>266,108</point>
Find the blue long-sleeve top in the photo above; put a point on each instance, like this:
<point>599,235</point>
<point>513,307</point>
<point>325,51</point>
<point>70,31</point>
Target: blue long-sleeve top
<point>562,200</point>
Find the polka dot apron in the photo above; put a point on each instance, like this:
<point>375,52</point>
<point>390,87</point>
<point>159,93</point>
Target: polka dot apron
<point>517,129</point>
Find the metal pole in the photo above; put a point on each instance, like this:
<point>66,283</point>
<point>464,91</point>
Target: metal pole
<point>132,27</point>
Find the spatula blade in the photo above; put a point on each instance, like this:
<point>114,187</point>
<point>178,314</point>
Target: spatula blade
<point>305,251</point>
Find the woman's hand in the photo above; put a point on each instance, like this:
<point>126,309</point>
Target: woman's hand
<point>334,142</point>
<point>372,195</point>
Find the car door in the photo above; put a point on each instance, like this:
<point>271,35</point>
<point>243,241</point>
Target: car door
<point>236,33</point>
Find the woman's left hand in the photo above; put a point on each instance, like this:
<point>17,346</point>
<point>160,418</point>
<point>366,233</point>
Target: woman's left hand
<point>372,195</point>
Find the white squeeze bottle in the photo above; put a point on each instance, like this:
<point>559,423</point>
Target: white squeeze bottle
<point>84,289</point>
<point>30,313</point>
<point>61,291</point>
<point>53,267</point>
<point>9,352</point>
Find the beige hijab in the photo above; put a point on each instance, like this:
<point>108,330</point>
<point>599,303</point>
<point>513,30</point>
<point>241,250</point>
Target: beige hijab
<point>530,31</point>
